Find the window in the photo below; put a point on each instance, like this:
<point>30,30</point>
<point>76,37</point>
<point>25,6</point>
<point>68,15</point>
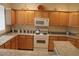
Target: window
<point>2,18</point>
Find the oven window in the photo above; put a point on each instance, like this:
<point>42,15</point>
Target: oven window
<point>40,41</point>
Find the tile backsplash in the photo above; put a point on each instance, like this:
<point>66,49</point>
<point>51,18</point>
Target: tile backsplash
<point>46,29</point>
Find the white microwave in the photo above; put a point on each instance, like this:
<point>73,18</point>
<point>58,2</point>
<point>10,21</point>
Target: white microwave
<point>41,22</point>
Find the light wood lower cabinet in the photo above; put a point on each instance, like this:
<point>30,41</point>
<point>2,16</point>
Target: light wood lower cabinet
<point>22,42</point>
<point>55,38</point>
<point>74,41</point>
<point>25,42</point>
<point>7,45</point>
<point>51,45</point>
<point>29,42</point>
<point>11,44</point>
<point>77,43</point>
<point>14,43</point>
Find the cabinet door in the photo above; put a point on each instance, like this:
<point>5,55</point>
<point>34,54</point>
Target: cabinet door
<point>73,41</point>
<point>8,45</point>
<point>58,19</point>
<point>42,14</point>
<point>54,19</point>
<point>74,19</point>
<point>77,43</point>
<point>63,18</point>
<point>20,17</point>
<point>14,43</point>
<point>29,42</point>
<point>51,45</point>
<point>22,43</point>
<point>29,17</point>
<point>13,17</point>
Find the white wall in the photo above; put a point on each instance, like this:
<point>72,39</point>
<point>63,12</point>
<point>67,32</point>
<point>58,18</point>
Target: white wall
<point>48,6</point>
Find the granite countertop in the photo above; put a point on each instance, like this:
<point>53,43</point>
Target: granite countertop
<point>4,38</point>
<point>11,52</point>
<point>70,36</point>
<point>65,48</point>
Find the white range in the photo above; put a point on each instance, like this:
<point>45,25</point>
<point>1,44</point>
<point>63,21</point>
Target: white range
<point>41,41</point>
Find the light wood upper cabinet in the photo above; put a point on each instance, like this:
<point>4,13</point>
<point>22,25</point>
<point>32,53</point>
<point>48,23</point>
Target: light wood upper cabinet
<point>25,17</point>
<point>74,19</point>
<point>42,14</point>
<point>63,18</point>
<point>29,17</point>
<point>54,19</point>
<point>13,17</point>
<point>58,19</point>
<point>20,17</point>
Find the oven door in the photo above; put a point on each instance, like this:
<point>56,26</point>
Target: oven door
<point>41,42</point>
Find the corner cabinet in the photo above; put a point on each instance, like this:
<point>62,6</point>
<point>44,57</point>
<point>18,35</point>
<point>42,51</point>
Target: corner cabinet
<point>11,44</point>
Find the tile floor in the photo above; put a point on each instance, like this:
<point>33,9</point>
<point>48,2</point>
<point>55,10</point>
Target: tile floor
<point>41,52</point>
<point>35,52</point>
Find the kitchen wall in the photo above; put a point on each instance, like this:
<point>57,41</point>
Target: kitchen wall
<point>48,6</point>
<point>7,28</point>
<point>51,6</point>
